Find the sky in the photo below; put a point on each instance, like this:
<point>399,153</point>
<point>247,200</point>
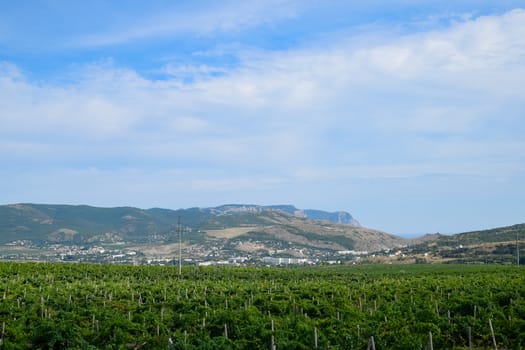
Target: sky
<point>408,114</point>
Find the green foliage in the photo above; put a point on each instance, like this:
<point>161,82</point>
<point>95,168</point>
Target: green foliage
<point>57,333</point>
<point>81,306</point>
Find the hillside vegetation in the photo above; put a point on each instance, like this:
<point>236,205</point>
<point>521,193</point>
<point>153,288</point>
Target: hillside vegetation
<point>220,232</point>
<point>233,232</point>
<point>498,245</point>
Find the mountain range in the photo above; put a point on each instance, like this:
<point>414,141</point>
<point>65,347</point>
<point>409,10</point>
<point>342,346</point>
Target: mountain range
<point>206,233</point>
<point>45,231</point>
<point>86,223</point>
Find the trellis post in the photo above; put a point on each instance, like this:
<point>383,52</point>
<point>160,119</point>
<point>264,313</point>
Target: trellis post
<point>493,336</point>
<point>371,344</point>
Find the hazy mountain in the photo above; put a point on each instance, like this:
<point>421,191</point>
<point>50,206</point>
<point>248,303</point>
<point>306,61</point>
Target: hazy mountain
<point>27,230</point>
<point>237,228</point>
<point>340,217</point>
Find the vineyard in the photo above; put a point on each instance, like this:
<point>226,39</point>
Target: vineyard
<point>83,306</point>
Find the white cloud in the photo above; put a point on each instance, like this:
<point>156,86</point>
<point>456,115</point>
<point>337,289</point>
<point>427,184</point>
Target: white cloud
<point>231,16</point>
<point>386,124</point>
<point>279,111</point>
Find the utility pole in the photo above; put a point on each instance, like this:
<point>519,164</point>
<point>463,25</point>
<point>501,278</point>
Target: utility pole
<point>180,245</point>
<point>517,249</point>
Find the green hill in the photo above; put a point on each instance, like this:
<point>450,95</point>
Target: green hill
<point>496,235</point>
<point>498,245</point>
<point>220,232</point>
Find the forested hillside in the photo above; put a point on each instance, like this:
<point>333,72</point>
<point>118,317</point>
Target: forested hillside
<point>38,231</point>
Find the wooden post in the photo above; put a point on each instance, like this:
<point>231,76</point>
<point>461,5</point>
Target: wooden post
<point>430,340</point>
<point>3,333</point>
<point>493,336</point>
<point>371,344</point>
<point>470,338</point>
<point>272,347</point>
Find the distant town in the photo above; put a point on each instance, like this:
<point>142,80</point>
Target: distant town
<point>25,250</point>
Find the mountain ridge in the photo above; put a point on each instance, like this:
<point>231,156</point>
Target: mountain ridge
<point>341,217</point>
<point>215,232</point>
<point>45,231</point>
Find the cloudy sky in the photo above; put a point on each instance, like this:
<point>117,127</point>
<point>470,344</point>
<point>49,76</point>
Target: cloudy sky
<point>408,114</point>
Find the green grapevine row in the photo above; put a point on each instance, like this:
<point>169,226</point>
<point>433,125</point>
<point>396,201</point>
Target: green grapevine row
<point>83,306</point>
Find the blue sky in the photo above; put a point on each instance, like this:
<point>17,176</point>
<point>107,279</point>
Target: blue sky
<point>408,114</point>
